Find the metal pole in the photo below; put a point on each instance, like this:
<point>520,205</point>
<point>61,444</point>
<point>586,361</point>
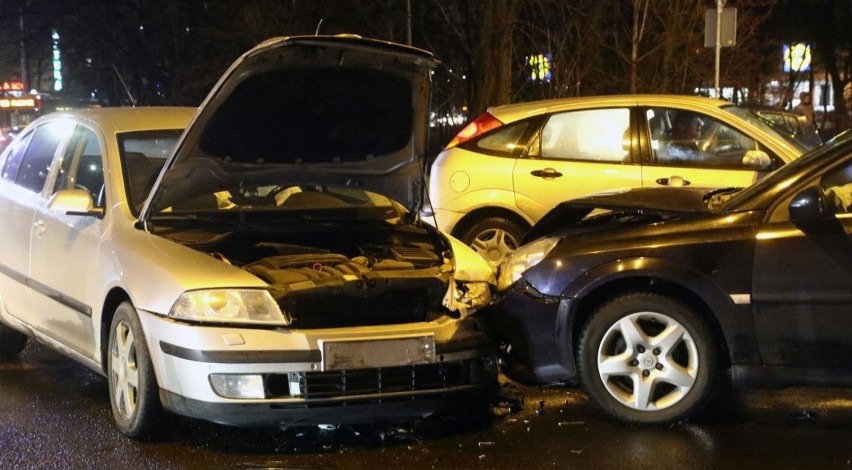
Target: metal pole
<point>719,5</point>
<point>24,72</point>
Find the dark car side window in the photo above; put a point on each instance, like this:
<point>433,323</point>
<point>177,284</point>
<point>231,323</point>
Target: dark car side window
<point>837,185</point>
<point>35,164</point>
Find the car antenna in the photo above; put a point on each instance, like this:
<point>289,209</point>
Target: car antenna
<point>126,90</point>
<point>316,33</point>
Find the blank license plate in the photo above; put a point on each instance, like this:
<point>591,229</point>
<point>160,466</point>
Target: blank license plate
<point>338,355</point>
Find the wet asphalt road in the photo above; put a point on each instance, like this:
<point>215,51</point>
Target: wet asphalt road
<point>55,414</point>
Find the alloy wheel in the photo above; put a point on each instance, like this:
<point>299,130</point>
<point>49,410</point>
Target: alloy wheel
<point>647,361</point>
<point>124,371</point>
<point>493,245</point>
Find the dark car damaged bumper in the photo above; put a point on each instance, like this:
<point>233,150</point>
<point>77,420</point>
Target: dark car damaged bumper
<point>535,336</point>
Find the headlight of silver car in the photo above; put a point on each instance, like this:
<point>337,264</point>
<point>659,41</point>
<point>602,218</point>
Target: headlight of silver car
<point>523,259</point>
<point>253,306</point>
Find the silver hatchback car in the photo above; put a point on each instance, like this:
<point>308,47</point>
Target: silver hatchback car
<point>273,272</point>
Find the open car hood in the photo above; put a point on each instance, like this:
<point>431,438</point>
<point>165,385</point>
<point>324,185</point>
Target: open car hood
<point>317,110</point>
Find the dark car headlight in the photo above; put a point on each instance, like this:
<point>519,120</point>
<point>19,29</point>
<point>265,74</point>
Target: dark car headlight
<point>523,259</point>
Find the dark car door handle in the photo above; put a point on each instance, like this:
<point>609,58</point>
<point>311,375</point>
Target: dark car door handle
<point>547,173</point>
<point>673,181</point>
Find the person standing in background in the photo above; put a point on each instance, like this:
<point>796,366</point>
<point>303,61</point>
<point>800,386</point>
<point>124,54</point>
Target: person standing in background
<point>805,106</point>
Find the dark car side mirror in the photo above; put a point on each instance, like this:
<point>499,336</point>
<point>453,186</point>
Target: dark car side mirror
<point>809,206</point>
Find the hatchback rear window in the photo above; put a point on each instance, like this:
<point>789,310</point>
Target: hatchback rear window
<point>312,115</point>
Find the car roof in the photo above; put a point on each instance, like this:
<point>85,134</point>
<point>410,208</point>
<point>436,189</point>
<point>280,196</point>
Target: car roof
<point>512,112</point>
<point>126,119</point>
<point>763,108</point>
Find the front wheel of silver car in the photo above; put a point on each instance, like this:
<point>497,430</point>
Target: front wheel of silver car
<point>647,358</point>
<point>133,389</point>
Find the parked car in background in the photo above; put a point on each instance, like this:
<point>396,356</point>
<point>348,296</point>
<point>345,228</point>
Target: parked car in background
<point>790,124</point>
<point>276,274</point>
<point>649,296</point>
<point>511,165</point>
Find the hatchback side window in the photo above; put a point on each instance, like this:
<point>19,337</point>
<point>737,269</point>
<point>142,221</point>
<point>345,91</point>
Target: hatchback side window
<point>600,135</point>
<point>686,138</point>
<point>82,166</point>
<point>35,164</point>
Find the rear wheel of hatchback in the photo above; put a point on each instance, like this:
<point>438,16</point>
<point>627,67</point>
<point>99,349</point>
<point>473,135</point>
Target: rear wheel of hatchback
<point>493,238</point>
<point>647,358</point>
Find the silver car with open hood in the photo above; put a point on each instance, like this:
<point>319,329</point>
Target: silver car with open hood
<point>274,271</point>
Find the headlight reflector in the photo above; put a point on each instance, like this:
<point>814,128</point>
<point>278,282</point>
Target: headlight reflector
<point>254,306</point>
<point>523,259</point>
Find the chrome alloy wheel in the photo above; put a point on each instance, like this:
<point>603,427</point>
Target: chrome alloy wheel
<point>647,361</point>
<point>493,245</point>
<point>124,372</point>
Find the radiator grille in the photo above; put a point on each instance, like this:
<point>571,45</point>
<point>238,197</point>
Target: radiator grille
<point>377,381</point>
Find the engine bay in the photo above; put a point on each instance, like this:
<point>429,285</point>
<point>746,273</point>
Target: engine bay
<point>339,275</point>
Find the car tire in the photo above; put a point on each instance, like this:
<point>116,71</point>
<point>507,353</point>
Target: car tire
<point>11,342</point>
<point>493,238</point>
<point>645,358</point>
<point>134,394</point>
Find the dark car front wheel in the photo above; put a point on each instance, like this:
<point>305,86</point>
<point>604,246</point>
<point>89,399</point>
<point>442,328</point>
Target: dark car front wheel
<point>647,358</point>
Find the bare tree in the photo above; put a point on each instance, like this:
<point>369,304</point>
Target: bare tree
<point>492,72</point>
<point>640,22</point>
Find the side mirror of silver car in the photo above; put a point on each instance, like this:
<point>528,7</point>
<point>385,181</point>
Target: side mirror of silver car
<point>74,202</point>
<point>757,160</point>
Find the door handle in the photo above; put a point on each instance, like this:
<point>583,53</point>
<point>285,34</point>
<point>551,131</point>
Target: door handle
<point>547,173</point>
<point>674,181</point>
<point>39,227</point>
